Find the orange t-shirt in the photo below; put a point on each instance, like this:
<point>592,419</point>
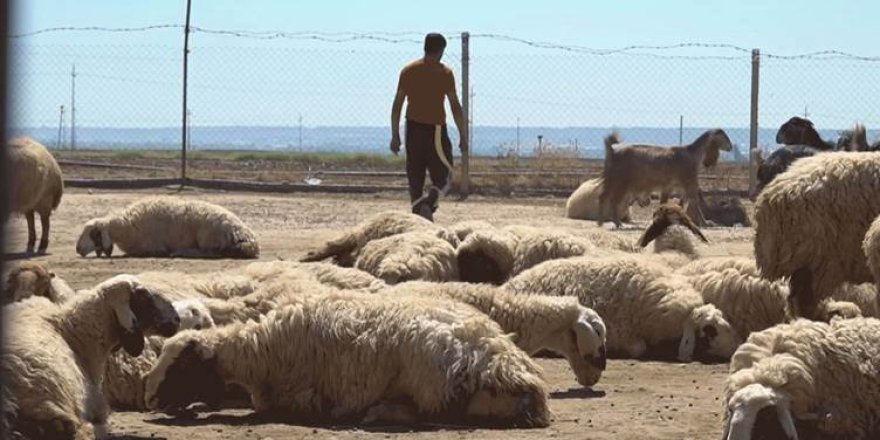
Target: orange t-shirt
<point>425,85</point>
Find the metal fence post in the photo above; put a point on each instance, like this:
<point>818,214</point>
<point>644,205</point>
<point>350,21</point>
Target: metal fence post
<point>753,125</point>
<point>185,66</point>
<point>466,108</point>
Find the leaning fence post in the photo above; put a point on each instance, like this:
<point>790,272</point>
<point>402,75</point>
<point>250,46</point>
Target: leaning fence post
<point>753,125</point>
<point>466,109</point>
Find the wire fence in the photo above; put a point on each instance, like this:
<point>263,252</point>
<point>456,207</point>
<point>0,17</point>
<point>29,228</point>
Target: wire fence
<point>314,107</point>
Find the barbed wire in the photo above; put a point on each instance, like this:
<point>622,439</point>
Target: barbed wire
<point>399,37</point>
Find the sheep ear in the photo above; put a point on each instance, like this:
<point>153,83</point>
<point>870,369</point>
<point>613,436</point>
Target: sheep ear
<point>106,242</point>
<point>587,338</point>
<point>131,334</point>
<point>693,228</point>
<point>655,230</point>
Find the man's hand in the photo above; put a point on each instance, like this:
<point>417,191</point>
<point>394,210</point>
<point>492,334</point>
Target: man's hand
<point>395,145</point>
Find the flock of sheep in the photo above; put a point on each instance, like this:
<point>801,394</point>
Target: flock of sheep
<point>402,320</point>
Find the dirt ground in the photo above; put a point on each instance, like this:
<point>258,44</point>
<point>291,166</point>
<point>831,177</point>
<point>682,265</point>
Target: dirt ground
<point>633,400</point>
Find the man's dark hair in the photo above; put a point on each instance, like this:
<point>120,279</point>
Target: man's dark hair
<point>434,43</point>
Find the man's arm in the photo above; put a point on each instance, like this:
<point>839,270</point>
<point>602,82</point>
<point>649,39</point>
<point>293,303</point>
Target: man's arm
<point>395,120</point>
<point>458,115</point>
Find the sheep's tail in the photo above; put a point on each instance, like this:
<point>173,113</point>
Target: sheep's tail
<point>610,140</point>
<point>333,248</point>
<point>58,187</point>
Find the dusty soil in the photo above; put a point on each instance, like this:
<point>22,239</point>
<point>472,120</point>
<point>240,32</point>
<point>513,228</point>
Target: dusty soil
<point>634,399</point>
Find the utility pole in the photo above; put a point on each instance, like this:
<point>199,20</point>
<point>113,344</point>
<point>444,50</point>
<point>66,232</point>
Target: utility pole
<point>59,143</point>
<point>185,66</point>
<point>681,130</point>
<point>73,107</point>
<point>189,129</point>
<point>806,114</point>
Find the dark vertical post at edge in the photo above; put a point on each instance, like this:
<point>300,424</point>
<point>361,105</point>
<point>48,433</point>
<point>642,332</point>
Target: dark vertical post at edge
<point>6,13</point>
<point>753,124</point>
<point>185,72</point>
<point>466,109</point>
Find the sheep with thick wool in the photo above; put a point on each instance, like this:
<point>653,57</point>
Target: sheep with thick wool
<point>35,186</point>
<point>560,325</point>
<point>308,359</point>
<point>583,203</point>
<point>177,285</point>
<point>345,249</point>
<point>53,363</point>
<point>811,222</point>
<point>170,226</point>
<point>409,256</point>
<point>345,278</point>
<point>864,296</point>
<point>871,247</point>
<point>28,279</point>
<point>641,303</point>
<point>806,379</point>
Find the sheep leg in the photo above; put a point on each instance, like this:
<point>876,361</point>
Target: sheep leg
<point>32,232</point>
<point>44,238</point>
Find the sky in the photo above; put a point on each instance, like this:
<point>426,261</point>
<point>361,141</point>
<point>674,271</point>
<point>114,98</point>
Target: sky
<point>134,79</point>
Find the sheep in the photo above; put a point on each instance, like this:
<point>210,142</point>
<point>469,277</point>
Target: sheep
<point>177,285</point>
<point>33,279</point>
<point>811,221</point>
<point>641,303</point>
<point>560,325</point>
<point>36,186</point>
<point>800,131</point>
<point>864,295</point>
<point>345,278</point>
<point>871,247</point>
<point>345,248</point>
<point>169,226</point>
<point>465,228</point>
<point>308,358</point>
<point>583,204</point>
<point>779,161</point>
<point>409,256</point>
<point>486,256</point>
<point>806,379</point>
<point>636,168</point>
<point>54,362</point>
<point>724,211</point>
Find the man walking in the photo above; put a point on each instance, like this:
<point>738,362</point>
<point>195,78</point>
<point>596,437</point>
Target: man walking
<point>425,84</point>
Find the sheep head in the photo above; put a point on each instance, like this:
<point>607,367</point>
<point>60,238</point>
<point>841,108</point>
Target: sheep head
<point>184,373</point>
<point>138,311</point>
<point>28,279</point>
<point>193,314</point>
<point>589,335</point>
<point>707,332</point>
<point>794,131</point>
<point>95,237</point>
<point>666,215</point>
<point>745,404</point>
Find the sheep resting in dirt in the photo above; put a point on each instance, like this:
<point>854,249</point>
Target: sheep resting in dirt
<point>345,248</point>
<point>640,168</point>
<point>35,186</point>
<point>426,358</point>
<point>409,256</point>
<point>811,222</point>
<point>53,364</point>
<point>345,278</point>
<point>806,380</point>
<point>871,247</point>
<point>583,204</point>
<point>170,226</point>
<point>28,279</point>
<point>560,325</point>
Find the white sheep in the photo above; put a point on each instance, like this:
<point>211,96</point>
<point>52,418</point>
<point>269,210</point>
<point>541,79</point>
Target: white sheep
<point>806,379</point>
<point>309,358</point>
<point>345,278</point>
<point>409,256</point>
<point>641,304</point>
<point>53,363</point>
<point>170,226</point>
<point>28,279</point>
<point>811,220</point>
<point>345,248</point>
<point>583,204</point>
<point>465,228</point>
<point>864,295</point>
<point>560,325</point>
<point>35,186</point>
<point>743,265</point>
<point>871,247</point>
<point>486,256</point>
<point>177,285</point>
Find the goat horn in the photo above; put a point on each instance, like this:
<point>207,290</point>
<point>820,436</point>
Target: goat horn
<point>690,225</point>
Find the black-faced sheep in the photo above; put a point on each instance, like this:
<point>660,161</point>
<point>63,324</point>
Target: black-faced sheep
<point>641,303</point>
<point>53,363</point>
<point>806,380</point>
<point>35,186</point>
<point>538,322</point>
<point>345,248</point>
<point>169,226</point>
<point>308,359</point>
<point>811,221</point>
<point>638,168</point>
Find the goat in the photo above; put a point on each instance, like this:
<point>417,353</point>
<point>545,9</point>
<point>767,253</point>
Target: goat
<point>640,168</point>
<point>800,131</point>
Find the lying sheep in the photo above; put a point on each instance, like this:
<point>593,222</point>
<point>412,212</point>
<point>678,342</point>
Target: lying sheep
<point>871,247</point>
<point>433,357</point>
<point>345,278</point>
<point>560,325</point>
<point>863,295</point>
<point>170,226</point>
<point>33,279</point>
<point>35,186</point>
<point>409,256</point>
<point>811,222</point>
<point>743,265</point>
<point>583,204</point>
<point>806,379</point>
<point>53,363</point>
<point>465,228</point>
<point>345,248</point>
<point>486,256</point>
<point>177,285</point>
<point>646,168</point>
<point>641,304</point>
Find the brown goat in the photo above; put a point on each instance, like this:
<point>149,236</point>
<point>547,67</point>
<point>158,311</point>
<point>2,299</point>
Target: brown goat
<point>666,215</point>
<point>639,168</point>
